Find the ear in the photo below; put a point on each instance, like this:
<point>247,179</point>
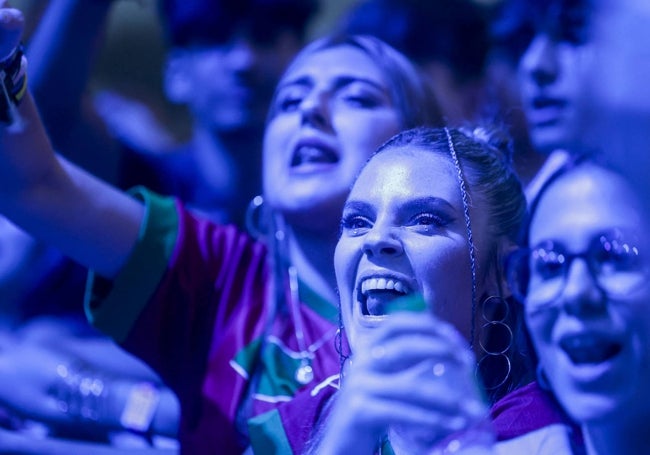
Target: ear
<point>177,76</point>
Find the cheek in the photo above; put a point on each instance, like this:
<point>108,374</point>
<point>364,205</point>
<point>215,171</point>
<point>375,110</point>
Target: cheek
<point>540,329</point>
<point>446,279</point>
<point>365,132</point>
<point>345,266</point>
<point>277,138</point>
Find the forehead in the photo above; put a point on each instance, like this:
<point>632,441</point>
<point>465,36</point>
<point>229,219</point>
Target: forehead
<point>332,63</point>
<point>407,172</point>
<point>583,203</point>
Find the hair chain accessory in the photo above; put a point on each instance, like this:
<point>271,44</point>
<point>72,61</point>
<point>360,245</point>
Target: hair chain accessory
<point>468,224</point>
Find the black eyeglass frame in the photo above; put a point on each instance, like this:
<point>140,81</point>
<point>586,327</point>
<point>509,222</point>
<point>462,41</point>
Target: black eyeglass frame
<point>614,241</point>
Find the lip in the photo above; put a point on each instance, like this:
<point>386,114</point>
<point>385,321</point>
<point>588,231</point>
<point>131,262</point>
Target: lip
<point>545,110</point>
<point>313,153</point>
<point>591,354</point>
<point>374,289</point>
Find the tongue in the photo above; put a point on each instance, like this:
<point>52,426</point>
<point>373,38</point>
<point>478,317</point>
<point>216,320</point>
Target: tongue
<point>377,301</point>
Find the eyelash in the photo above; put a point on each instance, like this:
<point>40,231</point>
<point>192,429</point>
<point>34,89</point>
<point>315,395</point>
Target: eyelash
<point>348,223</point>
<point>354,223</point>
<point>290,103</point>
<point>435,219</point>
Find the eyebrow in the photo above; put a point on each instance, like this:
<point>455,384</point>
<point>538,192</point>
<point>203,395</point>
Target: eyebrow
<point>427,202</point>
<point>412,204</point>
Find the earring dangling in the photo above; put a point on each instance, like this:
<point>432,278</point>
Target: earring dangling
<point>255,220</point>
<point>495,341</point>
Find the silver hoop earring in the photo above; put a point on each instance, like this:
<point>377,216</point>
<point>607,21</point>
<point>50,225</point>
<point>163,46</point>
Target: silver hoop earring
<point>495,340</point>
<point>256,219</point>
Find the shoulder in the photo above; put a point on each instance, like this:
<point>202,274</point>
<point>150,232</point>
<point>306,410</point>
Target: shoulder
<point>525,410</point>
<point>550,440</point>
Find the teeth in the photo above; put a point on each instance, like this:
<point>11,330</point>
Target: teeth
<point>382,284</point>
<point>312,154</point>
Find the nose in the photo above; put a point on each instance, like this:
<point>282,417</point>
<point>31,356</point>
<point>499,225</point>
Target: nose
<point>539,62</point>
<point>314,110</point>
<point>581,295</point>
<point>382,241</point>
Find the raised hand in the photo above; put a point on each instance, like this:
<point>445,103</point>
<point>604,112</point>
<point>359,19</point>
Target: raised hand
<point>11,28</point>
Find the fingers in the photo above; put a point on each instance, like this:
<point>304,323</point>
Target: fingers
<point>11,28</point>
<point>404,340</point>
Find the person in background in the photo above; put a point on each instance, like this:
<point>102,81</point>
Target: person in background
<point>509,38</point>
<point>615,99</point>
<point>241,330</point>
<point>551,71</point>
<point>583,280</point>
<point>223,61</point>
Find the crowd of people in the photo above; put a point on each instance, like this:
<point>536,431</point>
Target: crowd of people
<point>420,233</point>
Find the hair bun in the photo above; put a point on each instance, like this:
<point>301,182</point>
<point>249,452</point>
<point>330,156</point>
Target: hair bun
<point>495,138</point>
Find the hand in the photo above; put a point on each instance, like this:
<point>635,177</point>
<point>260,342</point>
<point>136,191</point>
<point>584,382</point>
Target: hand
<point>11,29</point>
<point>28,373</point>
<point>413,377</point>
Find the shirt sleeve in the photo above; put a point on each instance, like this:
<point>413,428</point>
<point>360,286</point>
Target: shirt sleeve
<point>113,307</point>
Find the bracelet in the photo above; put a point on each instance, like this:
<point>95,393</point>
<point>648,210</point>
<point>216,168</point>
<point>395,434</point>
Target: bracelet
<point>13,84</point>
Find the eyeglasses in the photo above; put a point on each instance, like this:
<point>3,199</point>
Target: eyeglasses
<point>538,275</point>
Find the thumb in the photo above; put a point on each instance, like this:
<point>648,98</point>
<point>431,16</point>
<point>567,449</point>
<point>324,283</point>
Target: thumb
<point>11,29</point>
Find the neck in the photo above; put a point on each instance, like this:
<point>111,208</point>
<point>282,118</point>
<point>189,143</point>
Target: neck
<point>617,435</point>
<point>313,257</point>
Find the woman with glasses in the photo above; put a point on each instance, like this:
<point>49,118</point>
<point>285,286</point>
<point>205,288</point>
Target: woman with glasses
<point>583,282</point>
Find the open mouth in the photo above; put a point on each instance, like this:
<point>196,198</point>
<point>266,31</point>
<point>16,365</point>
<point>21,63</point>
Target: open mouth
<point>376,293</point>
<point>313,154</point>
<point>543,102</point>
<point>584,350</point>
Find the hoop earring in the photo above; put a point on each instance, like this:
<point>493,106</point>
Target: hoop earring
<point>255,219</point>
<point>495,340</point>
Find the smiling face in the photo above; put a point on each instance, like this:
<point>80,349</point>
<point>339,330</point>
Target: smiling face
<point>331,111</point>
<point>403,232</point>
<point>595,350</point>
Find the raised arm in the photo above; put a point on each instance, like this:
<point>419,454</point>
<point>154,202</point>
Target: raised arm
<point>62,51</point>
<point>94,223</point>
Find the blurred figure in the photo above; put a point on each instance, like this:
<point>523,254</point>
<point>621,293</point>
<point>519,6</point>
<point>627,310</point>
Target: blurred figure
<point>550,75</point>
<point>583,278</point>
<point>510,37</point>
<point>616,95</point>
<point>469,57</point>
<point>224,59</point>
<point>447,39</point>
